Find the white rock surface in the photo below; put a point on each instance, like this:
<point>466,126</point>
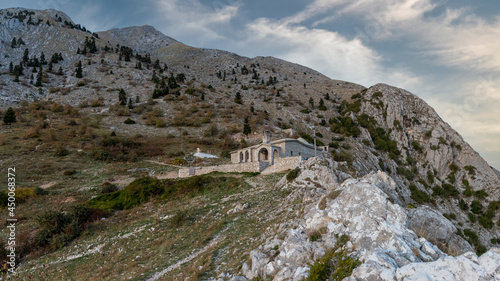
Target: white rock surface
<point>380,234</point>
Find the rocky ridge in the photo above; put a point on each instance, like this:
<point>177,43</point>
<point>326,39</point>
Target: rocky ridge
<point>388,239</point>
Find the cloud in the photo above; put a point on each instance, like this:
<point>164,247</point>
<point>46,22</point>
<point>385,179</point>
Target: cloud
<point>326,51</point>
<point>192,19</point>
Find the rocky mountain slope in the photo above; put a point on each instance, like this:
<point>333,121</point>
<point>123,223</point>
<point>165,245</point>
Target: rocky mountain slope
<point>430,194</point>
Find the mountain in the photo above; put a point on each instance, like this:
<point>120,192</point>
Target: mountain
<point>111,112</point>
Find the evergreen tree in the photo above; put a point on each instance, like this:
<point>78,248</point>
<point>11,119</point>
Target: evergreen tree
<point>322,104</point>
<point>50,66</point>
<point>60,71</point>
<point>17,77</point>
<point>78,51</point>
<point>14,43</point>
<point>130,104</point>
<point>202,96</point>
<point>311,102</point>
<point>122,97</point>
<point>237,98</point>
<point>79,70</point>
<point>136,99</point>
<point>327,97</point>
<point>39,78</point>
<point>26,56</point>
<point>42,59</point>
<point>10,116</point>
<point>11,67</point>
<point>246,128</point>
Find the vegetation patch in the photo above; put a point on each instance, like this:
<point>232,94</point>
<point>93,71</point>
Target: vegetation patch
<point>335,264</point>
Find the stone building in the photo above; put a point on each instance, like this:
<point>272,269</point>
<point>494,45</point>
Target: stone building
<point>273,151</point>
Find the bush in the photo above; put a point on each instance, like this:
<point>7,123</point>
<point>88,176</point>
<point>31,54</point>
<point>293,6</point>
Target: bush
<point>137,192</point>
<point>476,207</point>
<point>335,264</point>
<point>293,174</point>
<point>129,121</point>
<point>56,229</point>
<point>416,145</point>
<point>486,222</point>
<point>473,239</point>
<point>480,194</point>
<point>463,205</point>
<point>419,196</point>
<point>108,188</point>
<point>445,191</point>
<point>343,156</point>
<point>472,217</point>
<point>180,218</point>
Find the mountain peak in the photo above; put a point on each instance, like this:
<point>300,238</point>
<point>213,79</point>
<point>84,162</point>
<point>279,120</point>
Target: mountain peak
<point>143,39</point>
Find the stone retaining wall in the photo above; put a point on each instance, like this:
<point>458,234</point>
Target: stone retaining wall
<point>251,167</point>
<point>283,164</point>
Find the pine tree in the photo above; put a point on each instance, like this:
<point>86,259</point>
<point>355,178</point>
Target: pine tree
<point>50,66</point>
<point>79,70</point>
<point>14,43</point>
<point>130,104</point>
<point>237,98</point>
<point>311,102</point>
<point>60,71</point>
<point>10,116</point>
<point>246,128</point>
<point>42,59</point>
<point>122,97</point>
<point>17,77</point>
<point>202,96</point>
<point>327,97</point>
<point>136,99</point>
<point>26,56</point>
<point>39,78</point>
<point>11,67</point>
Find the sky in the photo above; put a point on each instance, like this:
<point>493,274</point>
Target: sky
<point>445,52</point>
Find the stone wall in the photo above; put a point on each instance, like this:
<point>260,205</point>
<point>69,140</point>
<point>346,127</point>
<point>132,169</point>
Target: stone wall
<point>283,164</point>
<point>251,167</point>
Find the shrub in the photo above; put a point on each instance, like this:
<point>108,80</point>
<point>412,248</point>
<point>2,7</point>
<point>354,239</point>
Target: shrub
<point>293,174</point>
<point>445,191</point>
<point>416,145</point>
<point>480,194</point>
<point>463,205</point>
<point>419,196</point>
<point>23,193</point>
<point>69,172</point>
<point>486,222</point>
<point>476,207</point>
<point>335,264</point>
<point>179,162</point>
<point>470,169</point>
<point>343,156</point>
<point>129,121</point>
<point>473,239</point>
<point>315,236</point>
<point>108,188</point>
<point>180,218</point>
<point>472,217</point>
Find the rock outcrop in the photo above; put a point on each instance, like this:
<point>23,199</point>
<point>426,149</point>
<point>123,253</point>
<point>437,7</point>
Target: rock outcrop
<point>392,242</point>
